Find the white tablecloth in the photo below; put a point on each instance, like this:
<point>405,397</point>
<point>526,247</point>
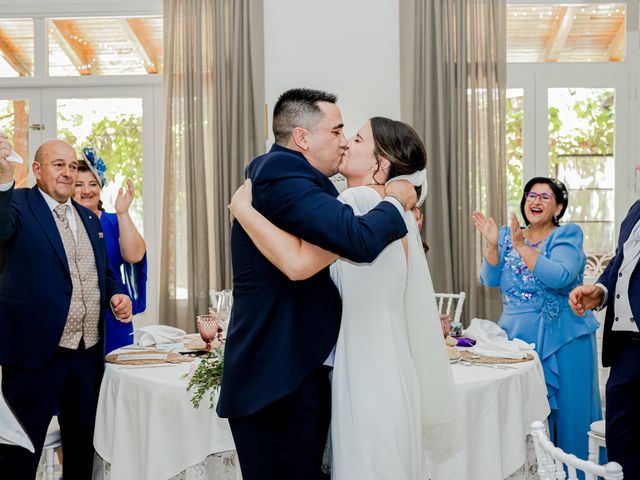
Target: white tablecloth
<point>495,409</point>
<point>146,427</point>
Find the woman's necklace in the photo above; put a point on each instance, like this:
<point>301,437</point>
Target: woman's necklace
<point>536,245</point>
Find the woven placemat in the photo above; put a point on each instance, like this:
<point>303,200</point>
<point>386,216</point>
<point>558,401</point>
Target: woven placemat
<point>171,357</point>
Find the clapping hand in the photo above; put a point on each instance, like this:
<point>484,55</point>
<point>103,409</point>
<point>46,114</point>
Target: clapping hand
<point>124,198</point>
<point>7,168</point>
<point>517,235</point>
<point>486,226</point>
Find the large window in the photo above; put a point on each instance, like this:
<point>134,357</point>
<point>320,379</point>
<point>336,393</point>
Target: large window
<point>105,46</point>
<point>93,81</point>
<point>515,117</point>
<point>570,107</point>
<point>582,32</point>
<point>16,47</point>
<point>581,141</point>
<point>113,126</point>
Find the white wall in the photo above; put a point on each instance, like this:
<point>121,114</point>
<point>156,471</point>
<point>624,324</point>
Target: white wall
<point>351,48</point>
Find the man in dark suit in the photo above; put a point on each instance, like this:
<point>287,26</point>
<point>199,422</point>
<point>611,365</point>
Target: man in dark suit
<point>275,388</point>
<point>618,288</point>
<point>54,288</point>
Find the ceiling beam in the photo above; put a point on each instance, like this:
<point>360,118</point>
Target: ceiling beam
<point>77,53</point>
<point>558,34</point>
<point>141,44</point>
<point>14,56</point>
<point>615,51</point>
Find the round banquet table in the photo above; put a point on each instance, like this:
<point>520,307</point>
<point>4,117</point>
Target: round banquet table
<point>494,408</point>
<point>147,429</point>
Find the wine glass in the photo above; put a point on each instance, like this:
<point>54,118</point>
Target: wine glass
<point>224,308</point>
<point>216,299</point>
<point>207,328</point>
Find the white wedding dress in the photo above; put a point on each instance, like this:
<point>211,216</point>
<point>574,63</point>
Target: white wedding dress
<point>377,426</point>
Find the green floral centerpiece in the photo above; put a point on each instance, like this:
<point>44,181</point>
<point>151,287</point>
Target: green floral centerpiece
<point>205,377</point>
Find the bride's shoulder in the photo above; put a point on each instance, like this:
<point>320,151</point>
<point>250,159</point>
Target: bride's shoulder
<point>362,198</point>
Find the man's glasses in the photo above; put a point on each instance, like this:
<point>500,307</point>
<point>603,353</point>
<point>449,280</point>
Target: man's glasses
<point>544,196</point>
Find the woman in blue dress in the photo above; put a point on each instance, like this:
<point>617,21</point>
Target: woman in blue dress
<point>536,267</point>
<point>126,249</point>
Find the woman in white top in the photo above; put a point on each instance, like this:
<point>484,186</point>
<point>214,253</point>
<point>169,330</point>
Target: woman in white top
<point>392,382</point>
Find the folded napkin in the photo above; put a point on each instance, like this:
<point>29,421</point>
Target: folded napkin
<point>492,341</point>
<point>157,334</point>
<point>11,432</point>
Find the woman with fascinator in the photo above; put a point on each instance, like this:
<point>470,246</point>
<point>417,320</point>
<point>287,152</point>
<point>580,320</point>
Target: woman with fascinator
<point>126,249</point>
<point>392,386</point>
<point>536,268</point>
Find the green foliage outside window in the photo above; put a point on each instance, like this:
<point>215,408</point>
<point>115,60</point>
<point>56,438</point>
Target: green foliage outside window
<point>581,146</point>
<point>117,140</point>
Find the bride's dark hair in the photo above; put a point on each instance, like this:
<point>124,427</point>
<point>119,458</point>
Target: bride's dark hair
<point>400,144</point>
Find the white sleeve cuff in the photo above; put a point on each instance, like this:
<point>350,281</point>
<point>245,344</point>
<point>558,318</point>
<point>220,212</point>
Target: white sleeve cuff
<point>606,295</point>
<point>4,187</point>
<point>395,203</point>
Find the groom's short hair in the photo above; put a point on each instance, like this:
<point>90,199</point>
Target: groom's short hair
<point>298,107</point>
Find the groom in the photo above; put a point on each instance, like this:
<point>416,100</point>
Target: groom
<point>618,288</point>
<point>275,388</point>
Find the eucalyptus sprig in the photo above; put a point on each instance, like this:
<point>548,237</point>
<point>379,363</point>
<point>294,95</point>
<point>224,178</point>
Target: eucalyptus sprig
<point>206,377</point>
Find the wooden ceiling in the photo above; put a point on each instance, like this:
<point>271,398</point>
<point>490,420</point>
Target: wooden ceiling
<point>566,33</point>
<point>16,46</point>
<point>85,46</point>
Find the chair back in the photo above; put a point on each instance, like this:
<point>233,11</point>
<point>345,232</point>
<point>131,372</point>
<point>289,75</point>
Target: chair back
<point>552,460</point>
<point>451,301</point>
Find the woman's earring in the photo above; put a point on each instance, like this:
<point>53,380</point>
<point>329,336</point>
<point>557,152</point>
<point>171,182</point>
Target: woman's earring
<point>555,219</point>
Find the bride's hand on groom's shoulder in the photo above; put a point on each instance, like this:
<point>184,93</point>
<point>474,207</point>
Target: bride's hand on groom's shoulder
<point>404,192</point>
<point>241,199</point>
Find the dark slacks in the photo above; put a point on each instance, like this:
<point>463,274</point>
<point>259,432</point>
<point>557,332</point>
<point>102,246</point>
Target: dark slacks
<point>623,409</point>
<point>71,381</point>
<point>286,439</point>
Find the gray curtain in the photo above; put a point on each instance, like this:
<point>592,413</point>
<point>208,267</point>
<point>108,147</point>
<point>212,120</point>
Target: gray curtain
<point>453,82</point>
<point>214,92</point>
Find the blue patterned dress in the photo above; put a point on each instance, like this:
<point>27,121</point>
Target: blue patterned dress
<point>536,310</point>
<point>132,278</point>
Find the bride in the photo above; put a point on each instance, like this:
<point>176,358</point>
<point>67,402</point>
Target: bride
<point>392,385</point>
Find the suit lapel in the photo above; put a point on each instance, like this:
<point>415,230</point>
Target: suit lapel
<point>44,216</point>
<point>619,259</point>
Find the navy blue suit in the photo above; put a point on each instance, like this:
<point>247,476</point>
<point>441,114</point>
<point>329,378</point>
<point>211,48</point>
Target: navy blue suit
<point>282,331</point>
<point>35,294</point>
<point>621,351</point>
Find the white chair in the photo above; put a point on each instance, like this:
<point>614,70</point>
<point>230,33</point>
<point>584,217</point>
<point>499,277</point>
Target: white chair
<point>551,460</point>
<point>596,440</point>
<point>449,301</point>
<point>51,442</point>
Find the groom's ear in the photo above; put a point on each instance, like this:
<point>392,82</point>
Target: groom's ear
<point>299,137</point>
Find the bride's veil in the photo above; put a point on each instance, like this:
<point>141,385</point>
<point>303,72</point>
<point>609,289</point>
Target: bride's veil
<point>429,353</point>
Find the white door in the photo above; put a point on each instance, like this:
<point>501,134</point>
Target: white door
<point>21,121</point>
<point>575,126</point>
<point>120,124</point>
